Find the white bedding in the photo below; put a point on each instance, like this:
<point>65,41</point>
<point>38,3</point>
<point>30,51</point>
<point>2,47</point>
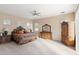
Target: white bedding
<point>37,47</point>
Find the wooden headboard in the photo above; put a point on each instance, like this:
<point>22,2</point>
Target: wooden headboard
<point>19,30</point>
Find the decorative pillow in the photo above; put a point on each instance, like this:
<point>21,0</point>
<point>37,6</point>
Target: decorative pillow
<point>20,32</point>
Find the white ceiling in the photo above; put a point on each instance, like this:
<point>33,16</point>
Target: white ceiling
<point>46,10</point>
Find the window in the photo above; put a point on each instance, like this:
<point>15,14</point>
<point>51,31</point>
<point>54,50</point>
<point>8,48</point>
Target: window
<point>7,22</point>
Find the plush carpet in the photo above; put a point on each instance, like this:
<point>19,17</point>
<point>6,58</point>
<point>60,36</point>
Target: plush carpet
<point>37,47</point>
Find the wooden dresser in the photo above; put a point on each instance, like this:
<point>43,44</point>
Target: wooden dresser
<point>46,35</point>
<point>46,32</point>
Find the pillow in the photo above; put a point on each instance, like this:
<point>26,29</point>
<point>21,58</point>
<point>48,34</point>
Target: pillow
<point>20,32</point>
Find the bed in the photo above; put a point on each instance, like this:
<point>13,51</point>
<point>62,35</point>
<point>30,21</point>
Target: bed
<point>22,36</point>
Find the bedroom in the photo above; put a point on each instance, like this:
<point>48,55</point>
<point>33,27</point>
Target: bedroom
<point>45,27</point>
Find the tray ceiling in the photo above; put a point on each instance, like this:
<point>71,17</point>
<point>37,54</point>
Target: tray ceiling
<point>45,10</point>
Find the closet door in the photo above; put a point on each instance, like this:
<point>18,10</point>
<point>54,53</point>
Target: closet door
<point>64,31</point>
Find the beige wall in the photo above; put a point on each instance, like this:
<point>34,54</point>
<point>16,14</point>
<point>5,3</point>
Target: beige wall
<point>15,20</point>
<point>77,29</point>
<point>55,22</point>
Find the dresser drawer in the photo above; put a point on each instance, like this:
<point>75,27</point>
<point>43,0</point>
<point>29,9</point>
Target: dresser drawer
<point>46,35</point>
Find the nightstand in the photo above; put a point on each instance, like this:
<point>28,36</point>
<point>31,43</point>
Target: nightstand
<point>5,39</point>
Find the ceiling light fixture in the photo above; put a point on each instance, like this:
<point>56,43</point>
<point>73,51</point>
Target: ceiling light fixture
<point>35,13</point>
<point>62,12</point>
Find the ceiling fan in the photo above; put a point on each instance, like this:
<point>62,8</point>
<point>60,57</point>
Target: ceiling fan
<point>35,13</point>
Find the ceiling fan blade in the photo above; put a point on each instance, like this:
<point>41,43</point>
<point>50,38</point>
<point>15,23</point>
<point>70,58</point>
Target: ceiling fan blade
<point>38,14</point>
<point>35,13</point>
